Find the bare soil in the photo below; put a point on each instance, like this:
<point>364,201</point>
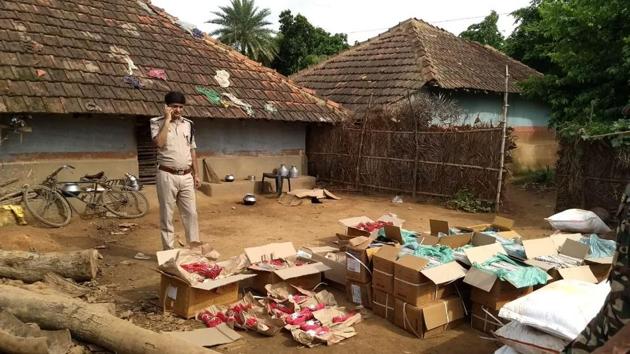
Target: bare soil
<point>229,226</point>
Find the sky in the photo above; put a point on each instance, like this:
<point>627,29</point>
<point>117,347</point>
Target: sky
<point>360,20</point>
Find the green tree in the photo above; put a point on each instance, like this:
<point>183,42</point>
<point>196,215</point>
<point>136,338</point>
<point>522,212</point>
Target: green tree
<point>528,42</point>
<point>485,32</point>
<point>243,26</point>
<point>300,44</point>
<point>587,44</point>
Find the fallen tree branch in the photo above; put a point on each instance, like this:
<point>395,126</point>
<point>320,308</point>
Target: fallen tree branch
<point>90,323</point>
<point>31,267</point>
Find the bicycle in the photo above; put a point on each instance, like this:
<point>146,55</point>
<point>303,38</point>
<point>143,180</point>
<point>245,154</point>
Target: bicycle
<point>120,197</point>
<point>57,209</point>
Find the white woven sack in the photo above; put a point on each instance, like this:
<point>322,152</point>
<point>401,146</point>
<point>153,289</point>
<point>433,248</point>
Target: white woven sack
<point>578,220</point>
<point>563,308</point>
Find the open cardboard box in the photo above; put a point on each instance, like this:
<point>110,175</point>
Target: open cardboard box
<point>306,276</point>
<point>417,285</point>
<point>487,288</point>
<point>331,257</point>
<point>600,267</point>
<point>431,319</point>
<point>547,246</point>
<point>437,227</point>
<point>186,299</point>
<point>477,239</point>
<point>359,257</point>
<point>439,230</point>
<point>502,225</point>
<point>351,223</point>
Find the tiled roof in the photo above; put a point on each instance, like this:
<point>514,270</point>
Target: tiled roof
<point>71,56</point>
<point>412,54</point>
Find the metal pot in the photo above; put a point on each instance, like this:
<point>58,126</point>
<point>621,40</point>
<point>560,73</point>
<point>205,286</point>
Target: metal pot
<point>70,189</point>
<point>283,170</point>
<point>293,172</point>
<point>132,182</point>
<point>229,178</point>
<point>249,199</point>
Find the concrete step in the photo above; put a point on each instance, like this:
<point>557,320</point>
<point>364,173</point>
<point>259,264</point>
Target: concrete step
<point>239,188</point>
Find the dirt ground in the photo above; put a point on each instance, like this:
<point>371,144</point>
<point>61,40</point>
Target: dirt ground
<point>229,226</point>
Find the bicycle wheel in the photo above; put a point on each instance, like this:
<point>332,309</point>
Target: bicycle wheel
<point>47,206</point>
<point>125,204</point>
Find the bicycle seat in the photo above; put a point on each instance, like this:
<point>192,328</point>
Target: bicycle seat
<point>96,176</point>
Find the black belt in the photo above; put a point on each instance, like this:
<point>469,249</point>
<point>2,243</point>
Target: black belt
<point>175,171</point>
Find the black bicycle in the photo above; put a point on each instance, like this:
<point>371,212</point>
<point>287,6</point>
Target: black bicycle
<point>49,202</point>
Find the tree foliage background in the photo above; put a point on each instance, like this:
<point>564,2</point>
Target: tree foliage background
<point>485,32</point>
<point>244,26</point>
<point>583,48</point>
<point>300,44</point>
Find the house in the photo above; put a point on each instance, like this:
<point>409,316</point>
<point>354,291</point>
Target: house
<point>415,55</point>
<point>86,76</point>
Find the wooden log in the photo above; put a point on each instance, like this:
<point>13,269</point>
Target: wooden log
<point>64,285</point>
<point>31,267</point>
<point>11,344</point>
<point>90,323</point>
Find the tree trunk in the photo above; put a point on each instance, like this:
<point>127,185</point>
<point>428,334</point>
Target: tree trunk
<point>31,267</point>
<point>90,323</point>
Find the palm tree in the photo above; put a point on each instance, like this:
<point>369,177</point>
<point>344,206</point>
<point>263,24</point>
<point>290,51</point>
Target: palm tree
<point>244,26</point>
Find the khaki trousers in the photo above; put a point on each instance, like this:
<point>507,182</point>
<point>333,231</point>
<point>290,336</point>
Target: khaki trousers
<point>175,189</point>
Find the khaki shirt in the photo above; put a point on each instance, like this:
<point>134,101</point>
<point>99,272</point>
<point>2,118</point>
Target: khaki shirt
<point>176,152</point>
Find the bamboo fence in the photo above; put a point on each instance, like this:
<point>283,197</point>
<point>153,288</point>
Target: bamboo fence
<point>398,151</point>
<point>591,174</point>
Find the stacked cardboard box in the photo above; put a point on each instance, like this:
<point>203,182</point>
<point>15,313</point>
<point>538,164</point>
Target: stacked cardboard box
<point>359,270</point>
<point>383,263</point>
<point>359,252</point>
<point>428,296</point>
<point>488,293</point>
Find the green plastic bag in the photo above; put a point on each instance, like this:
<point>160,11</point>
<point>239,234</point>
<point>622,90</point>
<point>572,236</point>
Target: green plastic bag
<point>520,277</point>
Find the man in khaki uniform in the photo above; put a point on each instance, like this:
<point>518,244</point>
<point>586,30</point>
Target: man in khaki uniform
<point>177,175</point>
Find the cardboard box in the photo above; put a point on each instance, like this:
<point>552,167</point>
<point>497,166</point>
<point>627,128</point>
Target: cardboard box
<point>383,304</point>
<point>441,228</point>
<point>500,294</point>
<point>359,293</point>
<point>547,246</point>
<point>601,267</point>
<point>186,299</point>
<point>383,268</point>
<point>351,223</point>
<point>305,276</point>
<point>416,285</point>
<point>359,258</point>
<point>333,258</point>
<point>430,319</point>
<point>487,289</point>
<point>503,225</point>
<point>481,318</point>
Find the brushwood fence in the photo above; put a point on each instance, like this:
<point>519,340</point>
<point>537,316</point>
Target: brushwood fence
<point>435,162</point>
<point>591,174</point>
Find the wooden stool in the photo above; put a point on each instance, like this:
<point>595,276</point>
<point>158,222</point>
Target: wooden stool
<point>279,181</point>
